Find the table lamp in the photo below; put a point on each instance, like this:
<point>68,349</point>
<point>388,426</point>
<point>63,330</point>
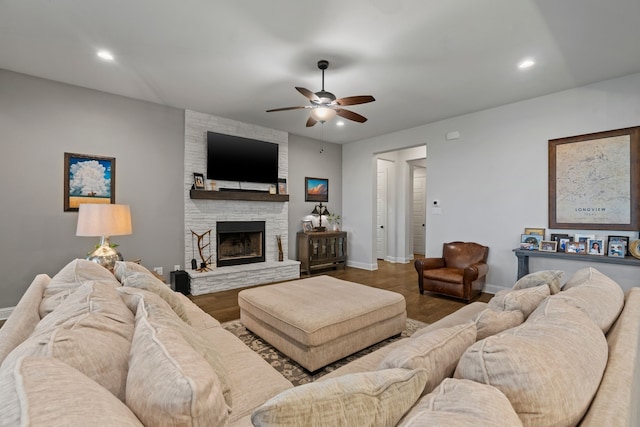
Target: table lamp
<point>104,220</point>
<point>320,210</point>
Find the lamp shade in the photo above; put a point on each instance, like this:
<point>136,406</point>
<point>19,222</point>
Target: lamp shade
<point>323,114</point>
<point>103,220</point>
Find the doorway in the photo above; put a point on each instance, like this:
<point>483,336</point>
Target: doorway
<point>419,208</point>
<point>384,168</point>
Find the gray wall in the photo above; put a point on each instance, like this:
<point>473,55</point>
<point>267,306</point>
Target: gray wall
<point>40,120</point>
<point>305,159</point>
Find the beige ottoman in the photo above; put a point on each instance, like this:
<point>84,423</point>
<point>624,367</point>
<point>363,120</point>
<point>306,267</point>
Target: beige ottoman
<point>321,319</point>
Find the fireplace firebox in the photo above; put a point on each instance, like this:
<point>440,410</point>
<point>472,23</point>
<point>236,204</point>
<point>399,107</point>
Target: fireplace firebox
<point>239,242</point>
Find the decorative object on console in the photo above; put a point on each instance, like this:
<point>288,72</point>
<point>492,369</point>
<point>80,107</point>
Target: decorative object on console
<point>634,248</point>
<point>198,181</point>
<point>316,190</point>
<point>624,240</point>
<point>88,179</point>
<point>548,246</point>
<point>595,246</point>
<point>307,226</point>
<point>324,105</point>
<point>282,186</point>
<point>204,241</point>
<point>104,221</point>
<point>320,210</point>
<point>334,220</point>
<point>530,241</point>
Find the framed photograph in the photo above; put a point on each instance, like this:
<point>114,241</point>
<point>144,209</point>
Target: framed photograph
<point>562,243</point>
<point>594,181</point>
<point>537,231</point>
<point>616,249</point>
<point>548,246</point>
<point>556,238</point>
<point>88,179</point>
<point>530,241</point>
<point>595,246</point>
<point>282,186</point>
<point>307,226</point>
<point>583,237</point>
<point>316,189</point>
<point>198,181</point>
<point>576,248</point>
<point>620,239</point>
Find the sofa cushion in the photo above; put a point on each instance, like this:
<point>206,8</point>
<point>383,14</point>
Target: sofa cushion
<point>549,367</point>
<point>598,296</point>
<point>538,278</point>
<point>149,283</point>
<point>90,331</point>
<point>462,403</point>
<point>490,322</point>
<point>169,383</point>
<point>122,269</point>
<point>68,279</point>
<point>43,391</point>
<point>437,352</point>
<point>161,314</point>
<point>377,398</point>
<point>525,300</point>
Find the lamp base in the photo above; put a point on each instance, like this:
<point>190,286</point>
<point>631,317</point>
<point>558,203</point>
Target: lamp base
<point>105,255</point>
<point>320,229</point>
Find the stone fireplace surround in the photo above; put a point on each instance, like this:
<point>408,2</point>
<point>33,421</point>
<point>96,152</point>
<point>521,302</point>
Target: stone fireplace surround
<point>202,215</point>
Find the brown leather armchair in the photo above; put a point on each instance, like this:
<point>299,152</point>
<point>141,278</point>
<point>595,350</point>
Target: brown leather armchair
<point>460,273</point>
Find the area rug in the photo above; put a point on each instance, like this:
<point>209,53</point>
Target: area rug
<point>289,368</point>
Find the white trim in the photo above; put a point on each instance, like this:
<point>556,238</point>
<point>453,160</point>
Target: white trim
<point>362,265</point>
<point>492,289</point>
<point>6,312</point>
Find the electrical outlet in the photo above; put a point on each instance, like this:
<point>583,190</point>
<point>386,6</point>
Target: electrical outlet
<point>158,270</point>
<point>176,267</point>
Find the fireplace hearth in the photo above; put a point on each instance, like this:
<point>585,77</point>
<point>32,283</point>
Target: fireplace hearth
<point>239,242</point>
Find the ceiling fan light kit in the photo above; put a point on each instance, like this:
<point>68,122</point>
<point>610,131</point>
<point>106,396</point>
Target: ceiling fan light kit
<point>325,106</point>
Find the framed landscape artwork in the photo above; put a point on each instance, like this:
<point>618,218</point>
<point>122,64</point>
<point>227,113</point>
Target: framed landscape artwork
<point>594,181</point>
<point>88,179</point>
<point>316,190</point>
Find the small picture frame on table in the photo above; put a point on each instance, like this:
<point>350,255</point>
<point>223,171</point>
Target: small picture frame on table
<point>579,248</point>
<point>307,226</point>
<point>562,243</point>
<point>198,181</point>
<point>530,242</point>
<point>620,239</point>
<point>548,246</point>
<point>595,247</point>
<point>282,186</point>
<point>583,237</point>
<point>616,249</point>
<point>536,231</point>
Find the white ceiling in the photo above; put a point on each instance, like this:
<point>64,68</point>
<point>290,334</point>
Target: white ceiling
<point>423,60</point>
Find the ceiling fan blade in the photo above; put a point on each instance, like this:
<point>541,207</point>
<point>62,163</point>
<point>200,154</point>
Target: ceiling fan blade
<point>311,121</point>
<point>286,108</point>
<point>308,94</point>
<point>354,100</point>
<point>350,115</point>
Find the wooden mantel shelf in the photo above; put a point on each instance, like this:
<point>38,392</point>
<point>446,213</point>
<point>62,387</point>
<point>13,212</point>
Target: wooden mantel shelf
<point>238,195</point>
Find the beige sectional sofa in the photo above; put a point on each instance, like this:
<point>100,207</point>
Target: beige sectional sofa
<point>89,348</point>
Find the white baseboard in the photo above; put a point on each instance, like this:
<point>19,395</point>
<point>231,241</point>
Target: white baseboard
<point>396,260</point>
<point>5,312</point>
<point>492,289</point>
<point>362,266</point>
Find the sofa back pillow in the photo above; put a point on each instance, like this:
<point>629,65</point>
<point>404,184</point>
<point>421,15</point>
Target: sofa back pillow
<point>68,279</point>
<point>43,391</point>
<point>549,367</point>
<point>462,403</point>
<point>598,296</point>
<point>539,278</point>
<point>168,382</point>
<point>525,300</point>
<point>377,398</point>
<point>437,352</point>
<point>90,331</point>
<point>150,283</point>
<point>490,322</point>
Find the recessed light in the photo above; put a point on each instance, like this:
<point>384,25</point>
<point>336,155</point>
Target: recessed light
<point>340,123</point>
<point>105,55</point>
<point>526,63</point>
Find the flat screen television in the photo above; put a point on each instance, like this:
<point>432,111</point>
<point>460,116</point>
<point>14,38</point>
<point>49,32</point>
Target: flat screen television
<point>234,158</point>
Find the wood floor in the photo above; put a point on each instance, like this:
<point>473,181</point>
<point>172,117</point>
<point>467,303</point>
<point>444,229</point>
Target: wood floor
<point>401,278</point>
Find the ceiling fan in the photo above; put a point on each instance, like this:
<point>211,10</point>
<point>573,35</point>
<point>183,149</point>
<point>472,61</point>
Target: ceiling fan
<point>325,106</point>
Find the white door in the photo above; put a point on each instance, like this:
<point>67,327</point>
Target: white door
<point>419,209</point>
<point>381,216</point>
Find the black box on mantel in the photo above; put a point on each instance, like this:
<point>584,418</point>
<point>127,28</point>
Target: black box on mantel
<point>180,282</point>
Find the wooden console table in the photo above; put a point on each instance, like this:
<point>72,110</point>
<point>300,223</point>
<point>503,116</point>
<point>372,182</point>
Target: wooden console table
<point>524,255</point>
<point>321,249</point>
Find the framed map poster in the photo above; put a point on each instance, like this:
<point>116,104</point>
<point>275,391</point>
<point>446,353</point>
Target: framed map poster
<point>594,181</point>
